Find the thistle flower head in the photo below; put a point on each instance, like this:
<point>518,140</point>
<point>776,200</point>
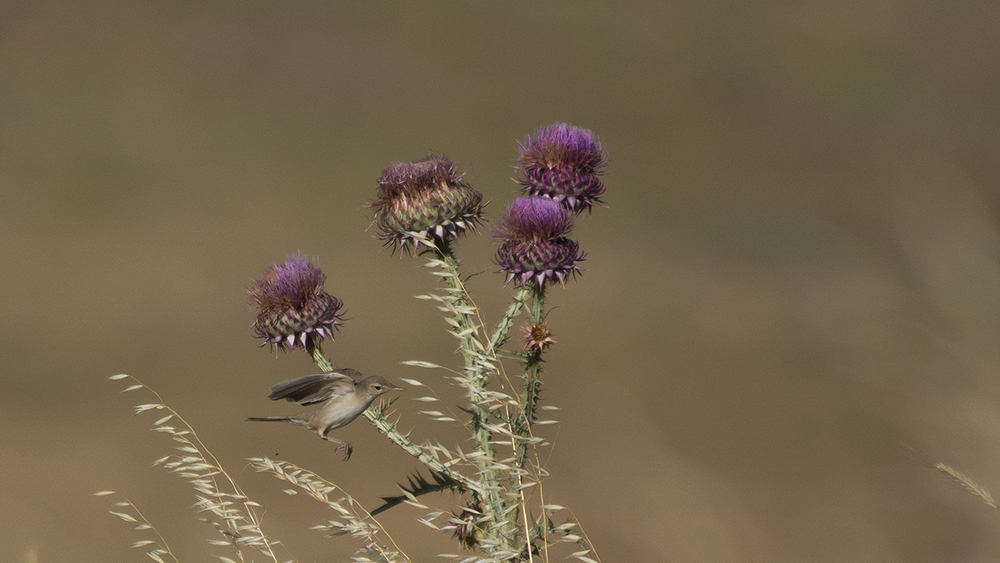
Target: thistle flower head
<point>534,218</point>
<point>537,337</point>
<point>563,163</point>
<point>535,246</point>
<point>424,199</point>
<point>292,307</point>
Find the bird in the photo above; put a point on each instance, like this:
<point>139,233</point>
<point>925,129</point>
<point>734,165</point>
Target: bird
<point>342,396</point>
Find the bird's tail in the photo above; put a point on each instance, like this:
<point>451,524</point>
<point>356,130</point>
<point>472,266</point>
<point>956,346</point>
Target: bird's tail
<point>289,419</point>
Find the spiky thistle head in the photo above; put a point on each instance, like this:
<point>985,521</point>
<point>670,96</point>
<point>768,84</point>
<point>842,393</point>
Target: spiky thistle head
<point>425,199</point>
<point>534,244</point>
<point>469,524</point>
<point>292,307</point>
<point>537,337</point>
<point>563,163</point>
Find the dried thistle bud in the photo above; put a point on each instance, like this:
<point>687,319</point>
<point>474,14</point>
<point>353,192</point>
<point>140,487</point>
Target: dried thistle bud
<point>537,337</point>
<point>534,243</point>
<point>426,198</point>
<point>292,307</point>
<point>563,163</point>
<point>468,525</point>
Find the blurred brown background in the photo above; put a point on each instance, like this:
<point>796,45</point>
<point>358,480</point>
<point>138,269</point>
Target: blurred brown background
<point>790,306</point>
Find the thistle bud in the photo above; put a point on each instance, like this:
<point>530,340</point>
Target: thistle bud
<point>537,337</point>
<point>424,199</point>
<point>563,163</point>
<point>292,307</point>
<point>469,524</point>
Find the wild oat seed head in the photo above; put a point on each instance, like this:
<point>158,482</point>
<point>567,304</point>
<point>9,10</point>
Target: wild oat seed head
<point>426,198</point>
<point>535,246</point>
<point>563,163</point>
<point>292,307</point>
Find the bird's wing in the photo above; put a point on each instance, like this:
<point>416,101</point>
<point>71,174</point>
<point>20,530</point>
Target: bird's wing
<point>352,373</point>
<point>310,389</point>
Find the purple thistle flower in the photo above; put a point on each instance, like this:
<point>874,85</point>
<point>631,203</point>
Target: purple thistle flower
<point>535,246</point>
<point>425,198</point>
<point>292,308</point>
<point>563,162</point>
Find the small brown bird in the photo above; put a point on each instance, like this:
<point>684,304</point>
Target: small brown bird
<point>343,395</point>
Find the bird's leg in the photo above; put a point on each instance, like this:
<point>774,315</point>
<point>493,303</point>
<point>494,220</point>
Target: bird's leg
<point>348,450</point>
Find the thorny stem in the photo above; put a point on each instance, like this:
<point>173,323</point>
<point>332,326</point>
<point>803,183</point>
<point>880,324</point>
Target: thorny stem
<point>318,358</point>
<point>469,344</point>
<point>395,436</point>
<point>477,378</point>
<point>521,423</point>
<point>503,327</point>
<point>529,399</point>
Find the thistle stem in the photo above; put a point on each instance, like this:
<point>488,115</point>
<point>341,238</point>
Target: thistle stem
<point>318,358</point>
<point>478,366</point>
<point>471,350</point>
<point>532,363</point>
<point>395,436</point>
<point>390,431</point>
<point>503,327</point>
<point>521,423</point>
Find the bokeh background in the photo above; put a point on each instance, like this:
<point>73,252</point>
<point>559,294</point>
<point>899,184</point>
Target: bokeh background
<point>789,311</point>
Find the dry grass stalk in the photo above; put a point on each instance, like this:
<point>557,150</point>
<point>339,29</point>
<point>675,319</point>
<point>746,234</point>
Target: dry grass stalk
<point>967,484</point>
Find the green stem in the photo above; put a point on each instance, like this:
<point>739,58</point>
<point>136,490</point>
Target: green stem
<point>522,422</point>
<point>403,441</point>
<point>532,384</point>
<point>503,327</point>
<point>318,358</point>
<point>532,363</point>
<point>477,378</point>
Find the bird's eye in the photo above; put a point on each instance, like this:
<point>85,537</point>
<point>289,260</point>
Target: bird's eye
<point>378,387</point>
